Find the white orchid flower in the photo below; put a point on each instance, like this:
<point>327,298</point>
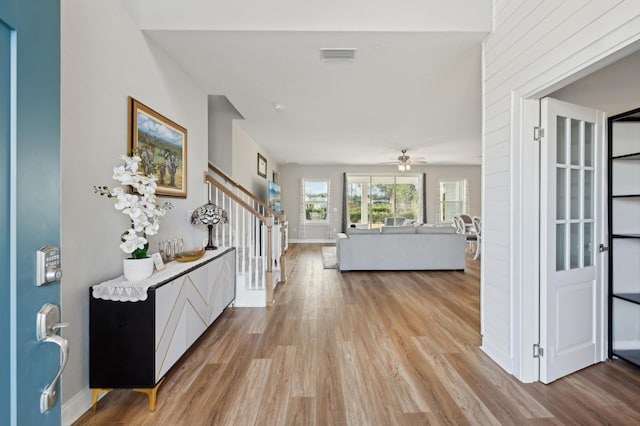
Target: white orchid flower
<point>129,246</point>
<point>133,211</point>
<point>132,163</point>
<point>130,234</point>
<point>146,190</point>
<point>141,242</point>
<point>139,206</point>
<point>119,172</point>
<point>121,203</point>
<point>152,229</point>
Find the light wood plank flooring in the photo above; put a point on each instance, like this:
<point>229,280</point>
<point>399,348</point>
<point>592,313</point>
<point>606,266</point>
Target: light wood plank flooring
<point>365,348</point>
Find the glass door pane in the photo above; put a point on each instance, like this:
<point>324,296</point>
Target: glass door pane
<point>356,205</point>
<point>381,200</point>
<point>561,193</point>
<point>561,143</point>
<point>561,249</point>
<point>407,202</point>
<point>588,244</point>
<point>575,198</point>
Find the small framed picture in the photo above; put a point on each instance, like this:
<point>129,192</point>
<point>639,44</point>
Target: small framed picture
<point>157,260</point>
<point>262,166</point>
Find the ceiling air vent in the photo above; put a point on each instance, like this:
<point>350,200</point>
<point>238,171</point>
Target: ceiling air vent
<point>338,54</point>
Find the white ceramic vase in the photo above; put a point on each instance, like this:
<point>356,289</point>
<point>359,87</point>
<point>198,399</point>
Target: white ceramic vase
<point>137,269</point>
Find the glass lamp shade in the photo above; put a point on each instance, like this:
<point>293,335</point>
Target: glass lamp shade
<point>209,214</point>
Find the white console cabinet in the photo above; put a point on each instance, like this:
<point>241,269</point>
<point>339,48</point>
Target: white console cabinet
<point>133,344</point>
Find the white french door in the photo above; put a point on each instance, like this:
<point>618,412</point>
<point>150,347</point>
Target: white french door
<point>571,228</point>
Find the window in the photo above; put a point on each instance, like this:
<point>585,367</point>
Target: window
<point>383,200</point>
<point>453,199</point>
<point>316,200</point>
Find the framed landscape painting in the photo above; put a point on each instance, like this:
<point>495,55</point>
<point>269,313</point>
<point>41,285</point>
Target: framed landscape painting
<point>162,145</point>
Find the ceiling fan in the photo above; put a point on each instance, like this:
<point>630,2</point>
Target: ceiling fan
<point>404,161</point>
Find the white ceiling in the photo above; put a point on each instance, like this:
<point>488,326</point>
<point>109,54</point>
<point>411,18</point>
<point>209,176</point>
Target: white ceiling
<point>411,86</point>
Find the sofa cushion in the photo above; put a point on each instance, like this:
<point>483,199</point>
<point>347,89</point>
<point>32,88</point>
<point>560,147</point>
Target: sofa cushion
<point>353,231</point>
<point>436,230</point>
<point>398,229</point>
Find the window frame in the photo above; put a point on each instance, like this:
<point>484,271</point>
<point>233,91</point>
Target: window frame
<point>356,178</point>
<point>327,203</point>
<point>463,201</point>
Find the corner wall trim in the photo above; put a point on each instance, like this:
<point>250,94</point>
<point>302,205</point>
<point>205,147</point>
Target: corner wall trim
<point>76,406</point>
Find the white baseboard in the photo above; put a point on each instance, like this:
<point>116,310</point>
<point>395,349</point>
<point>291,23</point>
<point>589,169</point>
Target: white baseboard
<point>77,406</point>
<point>501,358</point>
<point>313,241</point>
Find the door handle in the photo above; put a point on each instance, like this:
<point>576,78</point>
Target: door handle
<point>47,326</point>
<point>602,248</point>
<point>50,395</point>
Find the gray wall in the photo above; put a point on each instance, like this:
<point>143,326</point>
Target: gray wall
<point>221,114</point>
<point>292,175</point>
<point>245,162</point>
<point>105,59</point>
<point>613,89</point>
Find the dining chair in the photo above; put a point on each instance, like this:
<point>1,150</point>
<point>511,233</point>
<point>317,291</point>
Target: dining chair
<point>461,228</point>
<point>468,222</point>
<point>477,225</point>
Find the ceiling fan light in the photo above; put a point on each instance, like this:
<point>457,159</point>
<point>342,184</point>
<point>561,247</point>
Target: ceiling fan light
<point>404,167</point>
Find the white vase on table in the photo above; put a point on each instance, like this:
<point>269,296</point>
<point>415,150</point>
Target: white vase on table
<point>137,269</point>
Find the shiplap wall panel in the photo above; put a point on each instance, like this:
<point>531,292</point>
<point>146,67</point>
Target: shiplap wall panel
<point>498,136</point>
<point>551,12</point>
<point>500,107</point>
<point>577,61</point>
<point>536,58</point>
<point>535,44</point>
<point>517,26</point>
<point>504,10</point>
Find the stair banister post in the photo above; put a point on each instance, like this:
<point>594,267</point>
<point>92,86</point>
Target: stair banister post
<point>283,241</point>
<point>269,278</point>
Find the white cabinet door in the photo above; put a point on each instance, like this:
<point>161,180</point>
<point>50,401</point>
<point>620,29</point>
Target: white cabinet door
<point>222,282</point>
<point>186,306</point>
<point>171,327</point>
<point>195,293</point>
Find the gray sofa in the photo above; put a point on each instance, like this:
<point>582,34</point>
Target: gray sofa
<point>401,248</point>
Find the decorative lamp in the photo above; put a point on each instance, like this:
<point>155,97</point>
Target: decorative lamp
<point>209,214</point>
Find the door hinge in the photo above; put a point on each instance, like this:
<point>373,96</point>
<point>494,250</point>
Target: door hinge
<point>538,133</point>
<point>537,350</point>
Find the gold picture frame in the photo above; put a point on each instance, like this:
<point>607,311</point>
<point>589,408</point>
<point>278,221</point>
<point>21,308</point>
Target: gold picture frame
<point>162,145</point>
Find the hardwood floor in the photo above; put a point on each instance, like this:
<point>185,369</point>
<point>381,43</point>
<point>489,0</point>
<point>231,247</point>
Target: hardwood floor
<point>365,348</point>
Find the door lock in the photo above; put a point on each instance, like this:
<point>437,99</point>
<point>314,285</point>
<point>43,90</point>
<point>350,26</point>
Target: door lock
<point>48,265</point>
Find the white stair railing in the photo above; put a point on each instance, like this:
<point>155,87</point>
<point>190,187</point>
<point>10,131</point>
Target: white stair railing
<point>260,238</point>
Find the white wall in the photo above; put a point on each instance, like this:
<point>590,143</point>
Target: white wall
<point>105,59</point>
<point>292,175</point>
<point>245,162</point>
<point>537,46</point>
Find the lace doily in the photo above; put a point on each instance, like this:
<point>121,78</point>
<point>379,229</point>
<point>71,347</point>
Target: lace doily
<point>121,290</point>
